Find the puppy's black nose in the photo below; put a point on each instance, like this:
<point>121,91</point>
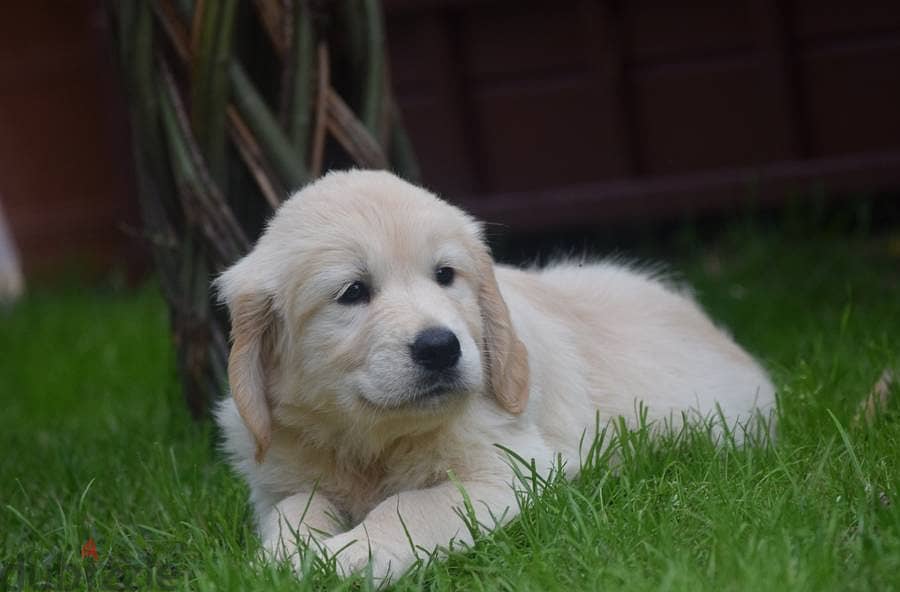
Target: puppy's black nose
<point>436,348</point>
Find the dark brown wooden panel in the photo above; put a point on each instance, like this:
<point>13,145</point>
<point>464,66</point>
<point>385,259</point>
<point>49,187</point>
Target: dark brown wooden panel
<point>853,96</point>
<point>545,134</point>
<point>417,46</point>
<point>704,117</point>
<point>534,39</point>
<point>431,85</point>
<point>662,30</point>
<point>440,145</point>
<point>65,170</point>
<point>625,104</point>
<point>824,19</point>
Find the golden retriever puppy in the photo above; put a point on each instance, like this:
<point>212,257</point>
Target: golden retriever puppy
<point>379,356</point>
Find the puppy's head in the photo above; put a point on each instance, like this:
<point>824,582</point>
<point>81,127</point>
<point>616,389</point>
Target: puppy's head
<point>368,299</point>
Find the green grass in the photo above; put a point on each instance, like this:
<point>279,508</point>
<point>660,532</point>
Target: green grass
<point>95,442</point>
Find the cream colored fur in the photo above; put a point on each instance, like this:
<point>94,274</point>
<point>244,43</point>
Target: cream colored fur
<point>325,424</point>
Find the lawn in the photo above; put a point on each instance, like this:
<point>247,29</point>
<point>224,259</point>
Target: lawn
<point>96,445</point>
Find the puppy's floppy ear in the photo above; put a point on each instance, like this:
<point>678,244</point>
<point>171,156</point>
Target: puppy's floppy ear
<point>507,358</point>
<point>252,335</point>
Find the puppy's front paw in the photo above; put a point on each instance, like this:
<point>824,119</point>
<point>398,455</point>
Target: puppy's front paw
<point>352,553</point>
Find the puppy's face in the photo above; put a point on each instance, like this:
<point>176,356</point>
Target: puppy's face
<point>367,298</point>
<point>382,306</point>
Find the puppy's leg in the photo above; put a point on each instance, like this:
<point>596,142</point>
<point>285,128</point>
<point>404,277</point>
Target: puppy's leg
<point>305,517</point>
<point>429,517</point>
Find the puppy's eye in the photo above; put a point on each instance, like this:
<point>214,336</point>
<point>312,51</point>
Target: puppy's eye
<point>356,293</point>
<point>444,275</point>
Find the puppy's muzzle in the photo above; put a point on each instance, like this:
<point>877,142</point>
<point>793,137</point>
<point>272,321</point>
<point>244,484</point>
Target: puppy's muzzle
<point>435,349</point>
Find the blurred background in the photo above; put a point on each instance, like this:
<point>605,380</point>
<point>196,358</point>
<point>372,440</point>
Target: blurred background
<point>545,117</point>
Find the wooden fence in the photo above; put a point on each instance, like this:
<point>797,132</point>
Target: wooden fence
<point>537,114</point>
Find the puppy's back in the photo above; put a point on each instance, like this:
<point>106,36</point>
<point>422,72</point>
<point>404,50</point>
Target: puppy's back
<point>636,338</point>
